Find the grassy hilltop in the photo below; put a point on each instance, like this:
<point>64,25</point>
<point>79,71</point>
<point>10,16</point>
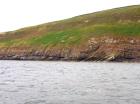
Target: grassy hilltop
<point>121,24</point>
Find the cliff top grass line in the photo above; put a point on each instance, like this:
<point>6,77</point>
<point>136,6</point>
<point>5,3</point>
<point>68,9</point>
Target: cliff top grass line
<point>124,21</point>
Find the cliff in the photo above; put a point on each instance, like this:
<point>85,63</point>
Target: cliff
<point>110,35</point>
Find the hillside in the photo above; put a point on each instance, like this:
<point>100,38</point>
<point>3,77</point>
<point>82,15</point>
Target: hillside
<point>110,35</point>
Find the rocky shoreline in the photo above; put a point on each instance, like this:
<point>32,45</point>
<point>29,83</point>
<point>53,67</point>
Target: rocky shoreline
<point>117,49</point>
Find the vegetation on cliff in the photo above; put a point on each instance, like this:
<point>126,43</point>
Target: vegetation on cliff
<point>115,28</point>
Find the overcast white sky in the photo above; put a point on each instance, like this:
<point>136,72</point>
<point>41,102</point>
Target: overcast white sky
<point>15,14</point>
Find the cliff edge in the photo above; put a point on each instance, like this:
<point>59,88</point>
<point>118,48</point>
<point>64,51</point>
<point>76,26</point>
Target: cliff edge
<point>109,35</point>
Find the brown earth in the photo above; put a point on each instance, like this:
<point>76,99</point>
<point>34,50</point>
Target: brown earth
<point>103,48</point>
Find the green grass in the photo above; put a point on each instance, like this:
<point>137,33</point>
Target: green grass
<point>74,31</point>
<point>76,35</point>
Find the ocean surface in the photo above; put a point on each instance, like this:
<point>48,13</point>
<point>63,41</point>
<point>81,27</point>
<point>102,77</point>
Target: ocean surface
<point>43,82</point>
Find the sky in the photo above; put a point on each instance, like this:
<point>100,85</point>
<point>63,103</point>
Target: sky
<point>15,14</point>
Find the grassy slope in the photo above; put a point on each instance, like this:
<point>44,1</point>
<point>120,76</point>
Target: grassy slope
<point>123,21</point>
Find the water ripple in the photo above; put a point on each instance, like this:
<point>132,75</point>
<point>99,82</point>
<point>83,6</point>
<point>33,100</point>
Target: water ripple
<point>36,82</point>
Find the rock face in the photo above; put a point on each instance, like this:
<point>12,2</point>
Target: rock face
<point>104,48</point>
